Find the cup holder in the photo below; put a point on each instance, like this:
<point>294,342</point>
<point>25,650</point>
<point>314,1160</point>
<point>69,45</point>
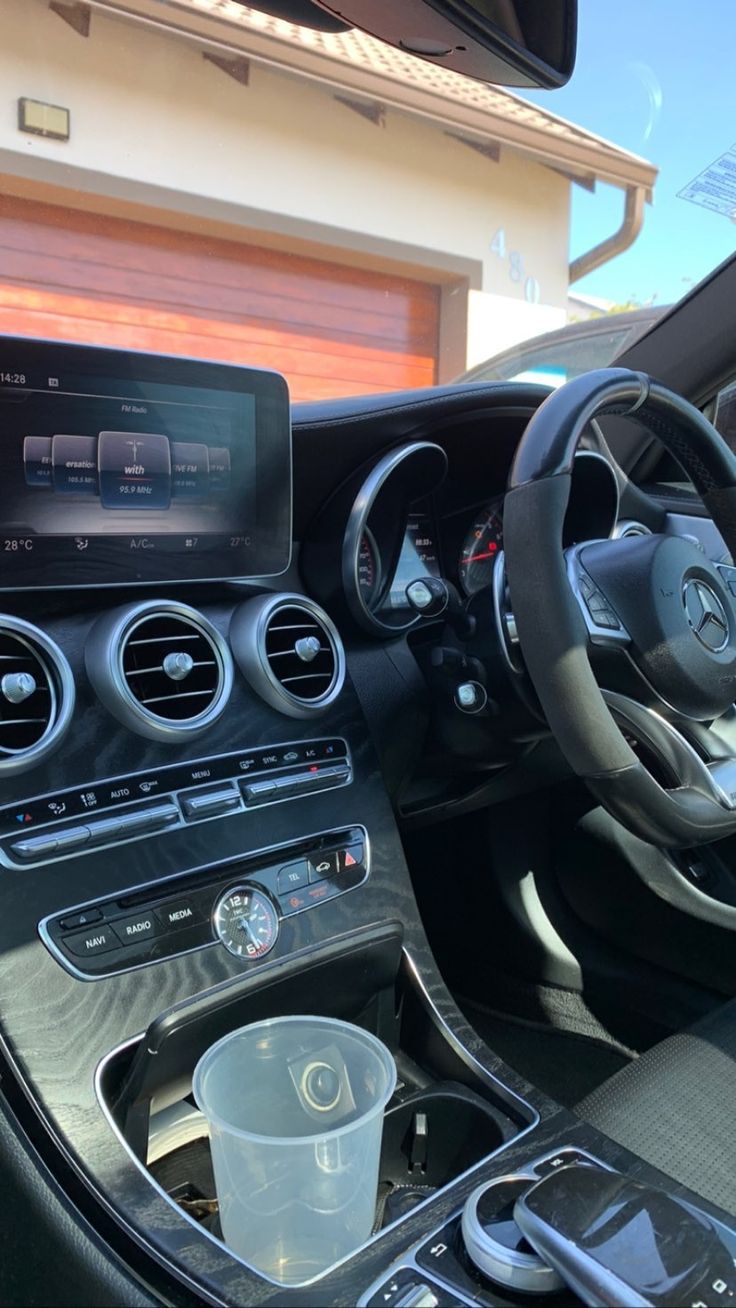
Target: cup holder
<point>430,1137</point>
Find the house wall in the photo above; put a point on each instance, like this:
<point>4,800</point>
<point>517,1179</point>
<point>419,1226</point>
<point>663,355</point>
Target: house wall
<point>155,125</point>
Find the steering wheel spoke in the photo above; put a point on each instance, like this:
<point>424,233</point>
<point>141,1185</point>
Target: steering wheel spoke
<point>678,761</point>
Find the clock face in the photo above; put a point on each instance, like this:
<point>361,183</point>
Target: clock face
<point>246,922</point>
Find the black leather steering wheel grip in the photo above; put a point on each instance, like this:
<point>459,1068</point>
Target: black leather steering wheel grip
<point>552,634</point>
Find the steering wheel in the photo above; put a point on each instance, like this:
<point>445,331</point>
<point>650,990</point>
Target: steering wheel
<point>663,615</point>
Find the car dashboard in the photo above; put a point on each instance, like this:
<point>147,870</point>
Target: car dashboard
<point>216,698</point>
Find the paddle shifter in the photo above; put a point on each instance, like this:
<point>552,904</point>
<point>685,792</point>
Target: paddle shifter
<point>613,1240</point>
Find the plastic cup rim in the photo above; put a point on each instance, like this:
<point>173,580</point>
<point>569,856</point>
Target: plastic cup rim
<point>384,1054</point>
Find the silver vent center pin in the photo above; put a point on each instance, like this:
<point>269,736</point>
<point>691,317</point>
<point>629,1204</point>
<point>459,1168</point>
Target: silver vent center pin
<point>17,686</point>
<point>178,666</point>
<point>307,648</point>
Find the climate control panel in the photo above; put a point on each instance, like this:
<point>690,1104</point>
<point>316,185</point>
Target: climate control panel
<point>240,905</point>
<point>146,803</point>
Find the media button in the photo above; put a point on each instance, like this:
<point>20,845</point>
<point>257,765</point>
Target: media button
<point>177,914</point>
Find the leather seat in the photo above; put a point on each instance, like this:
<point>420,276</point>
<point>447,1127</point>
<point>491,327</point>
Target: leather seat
<point>675,1106</point>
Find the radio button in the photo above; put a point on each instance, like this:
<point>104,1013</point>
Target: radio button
<point>129,930</point>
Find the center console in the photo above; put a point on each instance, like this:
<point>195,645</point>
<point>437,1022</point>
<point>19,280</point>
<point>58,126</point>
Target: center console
<point>195,834</point>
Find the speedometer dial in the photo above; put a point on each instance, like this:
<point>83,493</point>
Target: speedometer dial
<point>480,547</point>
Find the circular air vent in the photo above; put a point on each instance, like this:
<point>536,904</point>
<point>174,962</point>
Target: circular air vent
<point>627,527</point>
<point>36,695</point>
<point>290,652</point>
<point>161,668</point>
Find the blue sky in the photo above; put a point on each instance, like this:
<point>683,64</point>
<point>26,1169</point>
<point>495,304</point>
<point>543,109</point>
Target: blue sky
<point>658,77</point>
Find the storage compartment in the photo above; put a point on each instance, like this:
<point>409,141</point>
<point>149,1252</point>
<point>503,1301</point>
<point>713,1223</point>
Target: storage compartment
<point>445,1116</point>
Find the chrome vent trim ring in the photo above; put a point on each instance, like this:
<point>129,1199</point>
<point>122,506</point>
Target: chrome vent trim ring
<point>37,695</point>
<point>161,668</point>
<point>629,527</point>
<point>290,652</point>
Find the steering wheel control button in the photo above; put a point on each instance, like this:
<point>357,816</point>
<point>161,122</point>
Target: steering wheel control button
<point>470,697</point>
<point>131,930</point>
<point>323,865</point>
<point>97,940</point>
<point>293,877</point>
<point>495,1243</point>
<point>599,608</point>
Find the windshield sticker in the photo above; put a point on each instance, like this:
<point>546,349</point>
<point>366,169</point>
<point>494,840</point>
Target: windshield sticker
<point>715,187</point>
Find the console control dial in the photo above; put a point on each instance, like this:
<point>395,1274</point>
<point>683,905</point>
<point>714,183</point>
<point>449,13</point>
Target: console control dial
<point>246,922</point>
<point>494,1242</point>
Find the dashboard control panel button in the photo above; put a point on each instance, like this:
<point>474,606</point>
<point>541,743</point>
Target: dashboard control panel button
<point>130,930</point>
<point>206,803</point>
<point>178,914</point>
<point>293,877</point>
<point>75,921</point>
<point>353,856</point>
<point>97,940</point>
<point>153,923</point>
<point>324,865</point>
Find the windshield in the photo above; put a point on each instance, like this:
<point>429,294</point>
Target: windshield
<point>196,177</point>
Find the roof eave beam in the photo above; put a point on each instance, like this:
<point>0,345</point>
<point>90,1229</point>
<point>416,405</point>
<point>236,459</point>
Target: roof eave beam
<point>74,12</point>
<point>622,238</point>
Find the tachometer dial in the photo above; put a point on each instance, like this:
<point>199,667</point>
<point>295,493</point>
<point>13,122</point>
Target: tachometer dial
<point>369,567</point>
<point>246,922</point>
<point>480,547</point>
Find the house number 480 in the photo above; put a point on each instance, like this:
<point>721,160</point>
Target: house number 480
<point>515,266</point>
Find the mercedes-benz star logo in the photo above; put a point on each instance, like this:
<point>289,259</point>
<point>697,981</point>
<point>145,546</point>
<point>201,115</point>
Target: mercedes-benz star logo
<point>706,615</point>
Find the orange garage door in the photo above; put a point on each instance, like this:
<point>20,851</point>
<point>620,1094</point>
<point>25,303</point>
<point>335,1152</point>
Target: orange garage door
<point>333,330</point>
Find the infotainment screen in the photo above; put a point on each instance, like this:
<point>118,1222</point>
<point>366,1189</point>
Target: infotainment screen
<point>117,468</point>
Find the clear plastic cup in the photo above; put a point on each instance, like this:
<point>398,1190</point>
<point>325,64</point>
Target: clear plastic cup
<point>295,1111</point>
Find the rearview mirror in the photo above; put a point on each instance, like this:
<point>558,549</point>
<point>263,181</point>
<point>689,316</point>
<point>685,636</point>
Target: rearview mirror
<point>507,42</point>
